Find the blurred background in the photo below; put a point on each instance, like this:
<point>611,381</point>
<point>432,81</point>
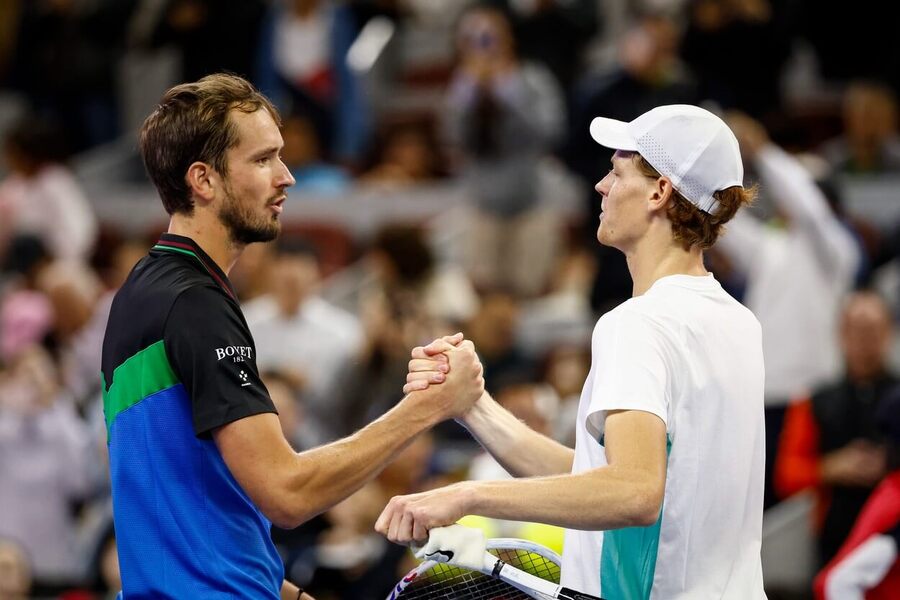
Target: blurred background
<point>445,183</point>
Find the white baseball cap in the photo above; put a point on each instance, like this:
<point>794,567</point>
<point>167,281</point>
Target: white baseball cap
<point>691,146</point>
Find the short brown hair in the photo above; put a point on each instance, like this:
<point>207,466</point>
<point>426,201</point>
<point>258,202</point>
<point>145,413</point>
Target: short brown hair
<point>192,124</point>
<point>690,225</point>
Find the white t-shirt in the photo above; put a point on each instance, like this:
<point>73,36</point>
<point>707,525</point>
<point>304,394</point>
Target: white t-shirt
<point>689,353</point>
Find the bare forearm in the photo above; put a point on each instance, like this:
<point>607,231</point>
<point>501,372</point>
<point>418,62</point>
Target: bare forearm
<point>605,498</point>
<point>328,474</point>
<point>521,450</point>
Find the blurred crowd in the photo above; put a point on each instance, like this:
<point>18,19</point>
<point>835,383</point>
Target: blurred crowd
<point>499,108</point>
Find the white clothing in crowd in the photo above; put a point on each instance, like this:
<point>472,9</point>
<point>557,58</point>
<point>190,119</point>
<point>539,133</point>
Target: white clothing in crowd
<point>52,206</point>
<point>797,277</point>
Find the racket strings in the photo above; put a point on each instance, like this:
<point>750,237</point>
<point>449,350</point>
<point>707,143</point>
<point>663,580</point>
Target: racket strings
<point>530,562</point>
<point>447,582</point>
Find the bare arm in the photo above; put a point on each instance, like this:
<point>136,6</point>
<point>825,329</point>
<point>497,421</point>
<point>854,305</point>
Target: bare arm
<point>627,492</point>
<point>796,194</point>
<point>290,488</point>
<point>522,451</point>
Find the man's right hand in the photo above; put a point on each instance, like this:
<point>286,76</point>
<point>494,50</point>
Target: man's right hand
<point>448,369</point>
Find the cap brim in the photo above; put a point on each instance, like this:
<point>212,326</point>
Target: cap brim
<point>612,134</point>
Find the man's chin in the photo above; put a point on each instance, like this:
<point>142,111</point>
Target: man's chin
<point>262,234</point>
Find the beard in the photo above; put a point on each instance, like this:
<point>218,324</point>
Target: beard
<point>243,225</point>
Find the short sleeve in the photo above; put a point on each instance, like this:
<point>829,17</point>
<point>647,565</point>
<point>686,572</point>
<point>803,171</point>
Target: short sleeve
<point>633,360</point>
<point>212,353</point>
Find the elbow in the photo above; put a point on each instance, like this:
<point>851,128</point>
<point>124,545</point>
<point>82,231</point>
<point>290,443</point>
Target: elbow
<point>644,508</point>
<point>285,519</point>
<point>288,516</point>
<point>286,506</point>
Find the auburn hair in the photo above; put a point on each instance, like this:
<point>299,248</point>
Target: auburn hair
<point>692,226</point>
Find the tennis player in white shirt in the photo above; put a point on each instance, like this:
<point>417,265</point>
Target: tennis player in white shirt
<point>662,495</point>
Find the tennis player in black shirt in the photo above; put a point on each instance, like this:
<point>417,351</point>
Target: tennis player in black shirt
<point>199,464</point>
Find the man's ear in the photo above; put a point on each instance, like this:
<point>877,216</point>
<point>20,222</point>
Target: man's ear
<point>202,181</point>
<point>661,194</point>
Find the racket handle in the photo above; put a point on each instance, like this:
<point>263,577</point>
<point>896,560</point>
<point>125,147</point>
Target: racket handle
<point>569,594</point>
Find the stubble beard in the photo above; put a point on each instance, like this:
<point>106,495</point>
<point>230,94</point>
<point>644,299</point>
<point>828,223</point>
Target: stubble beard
<point>243,226</point>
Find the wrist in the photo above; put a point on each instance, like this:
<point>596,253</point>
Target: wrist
<point>478,411</point>
<point>468,497</point>
<point>423,411</point>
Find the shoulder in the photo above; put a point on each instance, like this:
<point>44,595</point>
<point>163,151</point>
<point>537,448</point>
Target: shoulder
<point>156,284</point>
<point>636,320</point>
<point>642,310</point>
<point>741,314</point>
<point>203,302</point>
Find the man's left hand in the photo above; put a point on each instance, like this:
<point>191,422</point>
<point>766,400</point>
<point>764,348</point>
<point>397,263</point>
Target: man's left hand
<point>408,518</point>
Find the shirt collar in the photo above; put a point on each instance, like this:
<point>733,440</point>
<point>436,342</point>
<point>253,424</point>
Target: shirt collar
<point>178,244</point>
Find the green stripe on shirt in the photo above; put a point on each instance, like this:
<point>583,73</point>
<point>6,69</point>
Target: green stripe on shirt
<point>628,559</point>
<point>143,374</point>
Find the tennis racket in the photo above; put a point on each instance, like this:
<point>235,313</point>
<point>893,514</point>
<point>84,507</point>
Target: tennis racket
<point>513,570</point>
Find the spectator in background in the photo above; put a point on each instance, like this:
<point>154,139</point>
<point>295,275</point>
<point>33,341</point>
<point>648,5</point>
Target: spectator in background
<point>502,115</point>
<point>15,571</point>
<point>302,66</point>
<point>26,318</point>
<point>45,449</point>
<point>408,274</point>
<point>737,49</point>
<point>302,153</point>
<point>831,441</point>
<point>252,275</point>
<point>409,298</point>
<point>306,338</point>
<point>868,564</point>
<point>66,60</point>
<point>494,329</point>
<point>649,73</point>
<point>553,32</point>
<point>41,195</point>
<point>291,412</point>
<point>869,144</point>
<point>798,268</point>
<point>566,368</point>
<point>212,36</point>
<point>406,154</point>
<point>76,293</point>
<point>23,259</point>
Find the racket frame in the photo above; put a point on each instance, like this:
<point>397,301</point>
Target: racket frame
<point>532,585</point>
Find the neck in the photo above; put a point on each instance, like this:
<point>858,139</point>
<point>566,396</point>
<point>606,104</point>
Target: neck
<point>209,234</point>
<point>653,259</point>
